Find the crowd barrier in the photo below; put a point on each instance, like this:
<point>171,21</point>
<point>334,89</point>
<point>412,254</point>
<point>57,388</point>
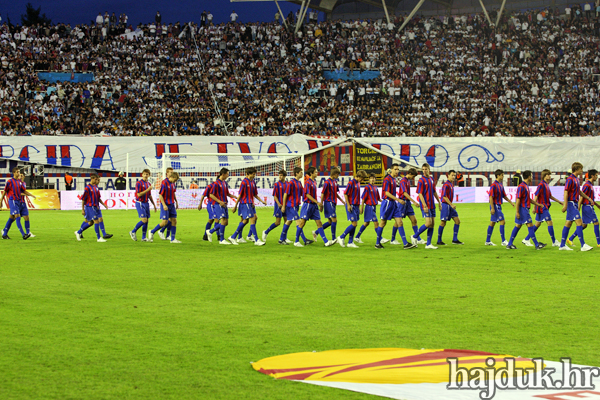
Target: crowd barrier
<point>189,199</point>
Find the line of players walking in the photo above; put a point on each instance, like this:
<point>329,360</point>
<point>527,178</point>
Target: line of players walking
<point>297,201</point>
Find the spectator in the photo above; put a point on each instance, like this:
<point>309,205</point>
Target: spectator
<point>121,182</point>
<point>157,18</point>
<point>233,17</point>
<point>99,19</point>
<point>68,181</point>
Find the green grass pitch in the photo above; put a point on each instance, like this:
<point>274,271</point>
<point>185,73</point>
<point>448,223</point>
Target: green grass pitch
<point>125,320</point>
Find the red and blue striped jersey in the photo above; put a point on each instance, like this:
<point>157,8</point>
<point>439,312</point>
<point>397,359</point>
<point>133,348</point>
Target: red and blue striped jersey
<point>167,190</point>
<point>294,191</point>
<point>353,192</point>
<point>497,192</point>
<point>206,193</point>
<point>447,191</point>
<point>426,188</point>
<point>140,186</point>
<point>220,189</point>
<point>389,185</point>
<point>279,190</point>
<point>310,188</point>
<point>523,194</point>
<point>572,188</point>
<point>588,189</point>
<point>23,189</point>
<point>91,196</point>
<point>371,195</point>
<point>247,191</point>
<point>13,189</point>
<point>543,196</point>
<point>330,190</point>
<point>403,187</point>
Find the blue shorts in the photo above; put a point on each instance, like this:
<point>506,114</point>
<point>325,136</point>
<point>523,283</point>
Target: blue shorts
<point>15,206</point>
<point>525,218</point>
<point>572,212</point>
<point>210,207</point>
<point>170,213</point>
<point>329,208</point>
<point>219,212</point>
<point>24,210</point>
<point>277,211</point>
<point>353,215</point>
<point>498,216</point>
<point>543,216</point>
<point>310,211</point>
<point>246,210</point>
<point>447,213</point>
<point>406,209</point>
<point>291,213</point>
<point>428,214</point>
<point>370,213</point>
<point>143,209</point>
<point>92,213</point>
<point>389,210</point>
<point>588,214</point>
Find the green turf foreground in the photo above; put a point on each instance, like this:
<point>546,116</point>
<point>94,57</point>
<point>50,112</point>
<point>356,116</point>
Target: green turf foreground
<point>117,320</point>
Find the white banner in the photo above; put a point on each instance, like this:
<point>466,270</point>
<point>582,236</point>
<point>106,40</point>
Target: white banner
<point>464,154</point>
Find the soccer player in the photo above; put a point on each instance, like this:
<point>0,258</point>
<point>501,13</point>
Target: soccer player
<point>427,194</point>
<point>588,215</point>
<point>278,193</point>
<point>13,191</point>
<point>497,193</point>
<point>290,205</point>
<point>168,211</point>
<point>246,196</point>
<point>571,201</point>
<point>311,210</point>
<point>449,210</point>
<point>24,210</point>
<point>406,210</point>
<point>90,208</point>
<point>219,193</point>
<point>522,216</point>
<point>329,198</point>
<point>390,209</point>
<point>352,195</point>
<point>370,199</point>
<point>543,196</point>
<point>209,207</point>
<point>162,234</point>
<point>143,194</point>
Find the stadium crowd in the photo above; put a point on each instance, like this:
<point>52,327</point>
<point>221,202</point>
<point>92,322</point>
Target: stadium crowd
<point>533,75</point>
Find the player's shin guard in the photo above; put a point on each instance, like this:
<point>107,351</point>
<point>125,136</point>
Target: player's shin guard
<point>102,228</point>
<point>97,229</point>
<point>489,234</point>
<point>351,235</point>
<point>269,229</point>
<point>20,226</point>
<point>321,233</point>
<point>532,235</point>
<point>26,226</point>
<point>360,231</point>
<point>138,226</point>
<point>217,228</point>
<point>551,232</point>
<point>429,235</point>
<point>284,232</point>
<point>379,232</point>
<point>597,233</point>
<point>208,226</point>
<point>402,235</point>
<point>156,228</point>
<point>515,231</point>
<point>565,235</point>
<point>222,232</point>
<point>394,231</point>
<point>502,234</point>
<point>8,225</point>
<point>455,237</point>
<point>579,231</point>
<point>298,233</point>
<point>144,230</point>
<point>417,231</point>
<point>333,227</point>
<point>535,228</point>
<point>440,232</point>
<point>84,226</point>
<point>302,235</point>
<point>253,231</point>
<point>347,231</point>
<point>238,231</point>
<point>326,225</point>
<point>166,227</point>
<point>422,229</point>
<point>173,231</point>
